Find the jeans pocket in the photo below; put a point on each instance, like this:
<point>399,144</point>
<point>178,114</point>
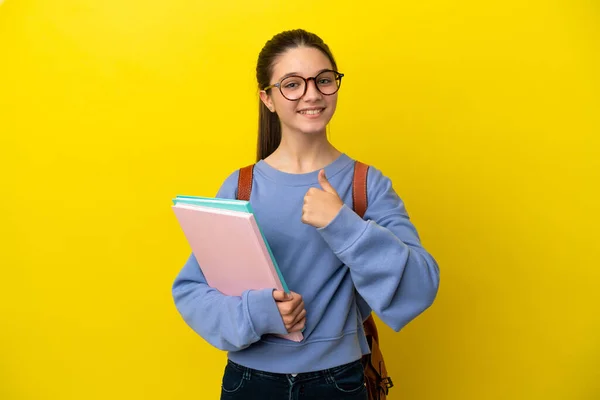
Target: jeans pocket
<point>233,379</point>
<point>350,379</point>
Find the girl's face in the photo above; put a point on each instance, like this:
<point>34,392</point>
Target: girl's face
<point>313,111</point>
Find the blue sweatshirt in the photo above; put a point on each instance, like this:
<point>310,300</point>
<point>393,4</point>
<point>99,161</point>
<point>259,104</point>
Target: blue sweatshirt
<point>343,271</point>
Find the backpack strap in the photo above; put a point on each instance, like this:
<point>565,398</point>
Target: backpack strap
<point>359,188</point>
<point>245,182</point>
<point>376,377</point>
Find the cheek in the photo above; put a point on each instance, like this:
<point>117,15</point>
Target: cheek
<point>331,105</point>
<point>286,109</point>
<point>331,101</point>
<point>283,106</point>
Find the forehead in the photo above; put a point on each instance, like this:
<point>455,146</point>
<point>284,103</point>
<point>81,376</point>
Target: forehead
<point>306,61</point>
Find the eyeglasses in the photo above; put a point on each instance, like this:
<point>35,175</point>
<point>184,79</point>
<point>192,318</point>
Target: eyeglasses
<point>294,87</point>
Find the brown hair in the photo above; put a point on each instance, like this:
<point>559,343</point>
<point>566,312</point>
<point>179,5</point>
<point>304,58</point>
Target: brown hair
<point>269,126</point>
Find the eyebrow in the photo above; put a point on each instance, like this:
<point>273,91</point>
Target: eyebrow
<point>298,74</point>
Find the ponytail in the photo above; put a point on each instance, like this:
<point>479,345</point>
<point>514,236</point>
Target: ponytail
<point>269,132</point>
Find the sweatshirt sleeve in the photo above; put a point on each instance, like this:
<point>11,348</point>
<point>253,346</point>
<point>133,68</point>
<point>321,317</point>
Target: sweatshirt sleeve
<point>228,323</point>
<point>391,270</point>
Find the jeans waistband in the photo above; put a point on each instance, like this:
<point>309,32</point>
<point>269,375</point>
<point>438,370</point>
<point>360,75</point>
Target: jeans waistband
<point>302,375</point>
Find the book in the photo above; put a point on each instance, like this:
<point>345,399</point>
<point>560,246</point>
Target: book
<point>229,245</point>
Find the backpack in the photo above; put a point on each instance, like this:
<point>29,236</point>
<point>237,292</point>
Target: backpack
<point>376,378</point>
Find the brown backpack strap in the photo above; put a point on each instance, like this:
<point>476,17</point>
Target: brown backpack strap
<point>376,377</point>
<point>359,188</point>
<point>245,182</point>
<point>371,328</point>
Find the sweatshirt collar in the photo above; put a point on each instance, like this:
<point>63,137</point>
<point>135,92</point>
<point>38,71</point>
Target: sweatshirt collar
<point>306,179</point>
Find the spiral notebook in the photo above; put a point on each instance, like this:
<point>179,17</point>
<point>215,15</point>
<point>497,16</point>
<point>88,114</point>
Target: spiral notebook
<point>230,248</point>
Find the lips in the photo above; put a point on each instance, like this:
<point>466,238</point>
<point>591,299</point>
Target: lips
<point>311,111</point>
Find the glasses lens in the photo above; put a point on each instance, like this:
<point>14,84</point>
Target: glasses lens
<point>293,87</point>
<point>328,82</point>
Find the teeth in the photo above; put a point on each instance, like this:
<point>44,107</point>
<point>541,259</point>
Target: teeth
<point>311,112</point>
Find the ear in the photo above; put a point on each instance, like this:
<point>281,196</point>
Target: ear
<point>266,99</point>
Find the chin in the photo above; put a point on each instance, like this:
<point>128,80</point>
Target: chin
<point>313,130</point>
<point>312,127</point>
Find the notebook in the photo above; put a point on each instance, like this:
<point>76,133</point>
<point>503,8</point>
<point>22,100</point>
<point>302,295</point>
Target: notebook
<point>229,246</point>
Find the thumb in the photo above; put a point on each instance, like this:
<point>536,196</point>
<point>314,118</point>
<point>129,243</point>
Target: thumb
<point>325,183</point>
<point>279,295</point>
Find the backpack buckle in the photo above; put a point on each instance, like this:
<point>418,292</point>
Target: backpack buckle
<point>387,384</point>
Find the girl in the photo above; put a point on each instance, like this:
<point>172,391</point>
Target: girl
<point>339,266</point>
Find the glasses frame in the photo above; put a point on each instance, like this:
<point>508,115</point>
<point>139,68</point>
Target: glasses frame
<point>338,76</point>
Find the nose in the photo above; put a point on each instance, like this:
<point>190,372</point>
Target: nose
<point>312,93</point>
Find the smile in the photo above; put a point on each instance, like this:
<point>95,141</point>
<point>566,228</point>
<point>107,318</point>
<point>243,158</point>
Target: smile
<point>316,111</point>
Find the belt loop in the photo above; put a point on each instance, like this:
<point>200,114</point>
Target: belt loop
<point>329,376</point>
<point>247,374</point>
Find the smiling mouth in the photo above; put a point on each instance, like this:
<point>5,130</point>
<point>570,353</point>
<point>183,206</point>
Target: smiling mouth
<point>311,112</point>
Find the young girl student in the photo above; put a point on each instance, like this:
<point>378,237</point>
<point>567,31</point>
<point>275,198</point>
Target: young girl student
<point>339,267</point>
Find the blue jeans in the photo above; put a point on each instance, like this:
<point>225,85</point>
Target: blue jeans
<point>346,382</point>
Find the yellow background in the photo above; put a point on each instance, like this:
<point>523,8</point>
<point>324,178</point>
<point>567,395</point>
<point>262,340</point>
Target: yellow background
<point>484,114</point>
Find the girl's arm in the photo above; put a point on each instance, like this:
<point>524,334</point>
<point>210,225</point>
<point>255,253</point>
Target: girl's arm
<point>227,322</point>
<point>390,268</point>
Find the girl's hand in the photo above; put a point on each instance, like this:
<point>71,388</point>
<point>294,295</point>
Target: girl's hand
<point>321,206</point>
<point>291,308</point>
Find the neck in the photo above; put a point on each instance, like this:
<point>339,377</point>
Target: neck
<point>303,153</point>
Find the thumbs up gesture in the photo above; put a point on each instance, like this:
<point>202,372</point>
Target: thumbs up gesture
<point>321,205</point>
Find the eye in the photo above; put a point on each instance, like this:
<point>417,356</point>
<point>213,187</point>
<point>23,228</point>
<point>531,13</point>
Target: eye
<point>325,78</point>
<point>292,83</point>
